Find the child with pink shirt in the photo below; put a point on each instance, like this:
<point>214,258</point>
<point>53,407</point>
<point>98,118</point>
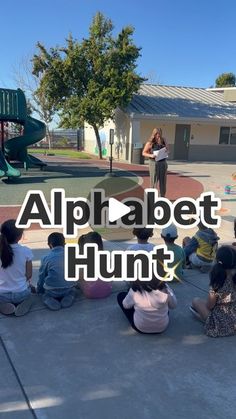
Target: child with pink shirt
<point>147,305</point>
<point>98,288</point>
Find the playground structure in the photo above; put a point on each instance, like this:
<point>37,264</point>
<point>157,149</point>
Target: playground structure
<point>231,189</point>
<point>13,108</point>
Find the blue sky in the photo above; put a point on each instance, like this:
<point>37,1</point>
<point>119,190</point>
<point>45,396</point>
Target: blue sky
<point>184,43</point>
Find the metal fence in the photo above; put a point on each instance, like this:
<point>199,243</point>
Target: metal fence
<point>64,138</point>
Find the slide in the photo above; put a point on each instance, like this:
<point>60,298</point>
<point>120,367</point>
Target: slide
<point>13,108</point>
<point>6,169</point>
<point>16,148</point>
<point>3,166</point>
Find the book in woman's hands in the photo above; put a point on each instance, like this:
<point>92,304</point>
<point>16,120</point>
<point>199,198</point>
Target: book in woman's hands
<point>160,154</point>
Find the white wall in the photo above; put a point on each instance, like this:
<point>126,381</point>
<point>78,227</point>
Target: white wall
<point>89,138</point>
<point>204,134</point>
<point>90,141</point>
<point>122,135</point>
<point>205,144</point>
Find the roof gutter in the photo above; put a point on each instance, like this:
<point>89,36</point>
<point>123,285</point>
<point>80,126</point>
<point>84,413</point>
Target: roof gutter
<point>178,119</point>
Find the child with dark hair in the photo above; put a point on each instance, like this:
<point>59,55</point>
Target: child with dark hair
<point>219,310</point>
<point>147,305</point>
<point>142,234</point>
<point>170,234</point>
<point>56,292</point>
<point>200,250</point>
<point>98,288</point>
<point>234,243</point>
<point>15,271</point>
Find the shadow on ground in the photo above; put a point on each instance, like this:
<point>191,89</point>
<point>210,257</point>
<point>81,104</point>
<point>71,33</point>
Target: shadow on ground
<point>86,362</point>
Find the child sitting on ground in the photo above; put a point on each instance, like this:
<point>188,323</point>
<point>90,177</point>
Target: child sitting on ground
<point>56,291</point>
<point>15,271</point>
<point>147,305</point>
<point>234,243</point>
<point>170,234</point>
<point>98,288</point>
<point>200,250</point>
<point>142,234</point>
<point>219,310</point>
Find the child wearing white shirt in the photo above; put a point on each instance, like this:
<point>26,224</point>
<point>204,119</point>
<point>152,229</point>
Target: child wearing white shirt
<point>15,271</point>
<point>143,235</point>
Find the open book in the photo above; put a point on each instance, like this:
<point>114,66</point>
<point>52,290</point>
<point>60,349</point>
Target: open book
<point>160,154</point>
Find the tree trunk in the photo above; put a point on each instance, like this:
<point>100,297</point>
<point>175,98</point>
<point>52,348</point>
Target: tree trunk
<point>98,141</point>
<point>48,137</point>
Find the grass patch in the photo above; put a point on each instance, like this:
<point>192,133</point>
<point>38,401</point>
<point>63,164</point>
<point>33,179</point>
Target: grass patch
<point>67,153</point>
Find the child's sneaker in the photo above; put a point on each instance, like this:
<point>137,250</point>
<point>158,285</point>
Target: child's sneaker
<point>52,303</point>
<point>7,308</point>
<point>24,307</point>
<point>67,301</point>
<point>205,269</point>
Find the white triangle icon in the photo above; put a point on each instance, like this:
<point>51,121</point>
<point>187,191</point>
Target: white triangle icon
<point>117,210</point>
<point>34,209</point>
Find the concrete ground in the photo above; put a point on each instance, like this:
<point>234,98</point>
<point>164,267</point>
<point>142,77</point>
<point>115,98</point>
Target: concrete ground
<point>87,363</point>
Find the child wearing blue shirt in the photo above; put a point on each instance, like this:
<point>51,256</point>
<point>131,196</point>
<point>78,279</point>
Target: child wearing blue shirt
<point>56,291</point>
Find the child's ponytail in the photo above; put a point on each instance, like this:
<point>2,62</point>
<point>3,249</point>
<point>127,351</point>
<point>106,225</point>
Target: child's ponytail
<point>217,276</point>
<point>9,234</point>
<point>149,286</point>
<point>6,252</point>
<point>90,238</point>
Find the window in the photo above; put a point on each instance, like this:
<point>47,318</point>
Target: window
<point>227,135</point>
<point>232,138</point>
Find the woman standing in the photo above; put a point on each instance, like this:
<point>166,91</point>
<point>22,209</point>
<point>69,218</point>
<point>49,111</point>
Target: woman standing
<point>157,168</point>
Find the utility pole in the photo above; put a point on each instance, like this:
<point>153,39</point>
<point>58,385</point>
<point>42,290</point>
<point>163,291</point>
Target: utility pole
<point>111,142</point>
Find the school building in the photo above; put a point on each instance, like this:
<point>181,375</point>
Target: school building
<point>199,124</point>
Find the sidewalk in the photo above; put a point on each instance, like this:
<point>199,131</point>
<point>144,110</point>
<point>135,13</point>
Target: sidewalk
<point>87,363</point>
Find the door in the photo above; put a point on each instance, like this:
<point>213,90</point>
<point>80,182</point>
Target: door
<point>182,137</point>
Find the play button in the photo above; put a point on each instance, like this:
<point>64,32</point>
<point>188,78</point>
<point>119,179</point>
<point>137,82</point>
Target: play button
<point>117,210</point>
<point>123,185</point>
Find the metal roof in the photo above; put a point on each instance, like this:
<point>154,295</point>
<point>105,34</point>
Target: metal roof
<point>172,102</point>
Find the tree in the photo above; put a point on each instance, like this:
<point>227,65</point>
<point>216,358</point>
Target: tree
<point>226,80</point>
<point>88,80</point>
<point>37,102</point>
